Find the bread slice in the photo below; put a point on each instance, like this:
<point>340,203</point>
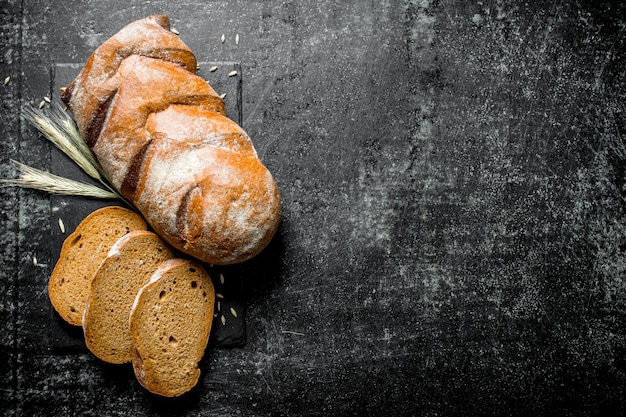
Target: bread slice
<point>81,253</point>
<point>170,323</point>
<point>129,265</point>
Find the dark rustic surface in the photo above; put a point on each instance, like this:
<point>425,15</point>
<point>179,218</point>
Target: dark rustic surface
<point>454,232</point>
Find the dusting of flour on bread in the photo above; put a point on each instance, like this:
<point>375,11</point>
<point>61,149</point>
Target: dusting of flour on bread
<point>163,139</point>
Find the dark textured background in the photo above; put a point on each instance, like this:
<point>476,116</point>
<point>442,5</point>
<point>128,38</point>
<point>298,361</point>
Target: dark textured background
<point>454,232</point>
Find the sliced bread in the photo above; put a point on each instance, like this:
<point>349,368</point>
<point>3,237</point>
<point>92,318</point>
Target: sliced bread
<point>129,265</point>
<point>81,253</point>
<point>170,322</point>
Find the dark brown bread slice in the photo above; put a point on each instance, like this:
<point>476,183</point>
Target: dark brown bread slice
<point>81,254</point>
<point>129,265</point>
<point>170,324</point>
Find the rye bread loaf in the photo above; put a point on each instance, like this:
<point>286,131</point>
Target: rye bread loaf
<point>129,265</point>
<point>162,137</point>
<point>170,322</point>
<point>81,254</point>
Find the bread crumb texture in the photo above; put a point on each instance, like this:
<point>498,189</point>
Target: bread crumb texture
<point>131,262</point>
<point>81,254</point>
<point>170,323</point>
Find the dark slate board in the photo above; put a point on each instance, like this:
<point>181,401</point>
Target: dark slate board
<point>228,331</point>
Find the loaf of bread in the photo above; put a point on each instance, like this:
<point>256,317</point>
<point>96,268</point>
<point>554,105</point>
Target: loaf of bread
<point>161,135</point>
<point>129,265</point>
<point>170,322</point>
<point>81,253</point>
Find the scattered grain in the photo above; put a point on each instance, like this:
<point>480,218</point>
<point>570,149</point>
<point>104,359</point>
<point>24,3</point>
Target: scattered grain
<point>175,31</point>
<point>292,332</point>
<point>213,68</point>
<point>233,312</point>
<point>222,279</point>
<point>7,80</point>
<point>42,103</point>
<point>61,226</point>
<point>223,38</point>
<point>237,39</point>
<point>218,295</point>
<point>223,320</point>
<point>232,73</point>
<point>46,99</point>
<point>222,96</point>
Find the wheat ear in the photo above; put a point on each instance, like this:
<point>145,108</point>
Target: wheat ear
<point>59,128</point>
<point>30,177</point>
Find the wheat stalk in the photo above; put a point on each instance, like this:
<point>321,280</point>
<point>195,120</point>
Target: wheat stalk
<point>41,180</point>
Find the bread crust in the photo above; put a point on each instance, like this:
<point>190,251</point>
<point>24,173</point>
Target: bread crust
<point>161,135</point>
